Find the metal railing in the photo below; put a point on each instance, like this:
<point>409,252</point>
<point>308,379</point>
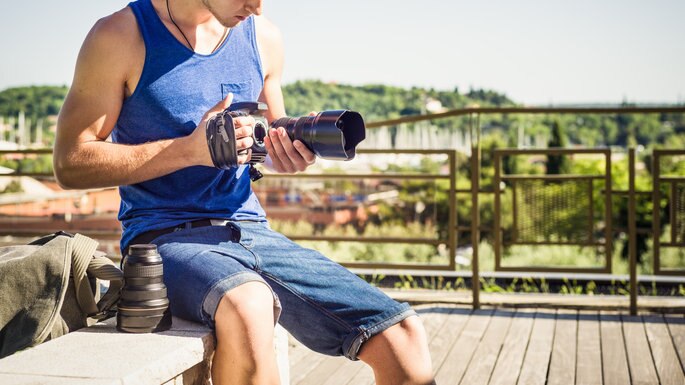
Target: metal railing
<point>475,227</point>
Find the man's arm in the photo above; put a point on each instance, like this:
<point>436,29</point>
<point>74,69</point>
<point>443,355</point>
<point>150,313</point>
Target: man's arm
<point>109,60</point>
<point>284,155</point>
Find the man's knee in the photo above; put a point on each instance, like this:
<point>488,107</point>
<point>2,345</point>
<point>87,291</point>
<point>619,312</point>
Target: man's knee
<point>250,304</point>
<point>400,353</point>
<point>244,325</point>
<point>409,333</point>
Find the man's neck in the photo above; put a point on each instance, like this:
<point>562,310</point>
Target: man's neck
<point>190,13</point>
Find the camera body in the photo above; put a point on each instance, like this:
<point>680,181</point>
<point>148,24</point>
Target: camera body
<point>261,127</point>
<point>332,134</point>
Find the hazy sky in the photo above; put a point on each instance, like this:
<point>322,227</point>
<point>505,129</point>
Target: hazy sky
<point>535,51</point>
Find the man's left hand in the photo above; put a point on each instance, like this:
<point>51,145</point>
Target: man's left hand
<point>288,156</point>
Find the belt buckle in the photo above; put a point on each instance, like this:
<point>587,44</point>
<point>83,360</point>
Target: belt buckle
<point>219,222</point>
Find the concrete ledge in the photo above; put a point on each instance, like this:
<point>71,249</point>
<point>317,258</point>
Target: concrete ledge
<point>100,355</point>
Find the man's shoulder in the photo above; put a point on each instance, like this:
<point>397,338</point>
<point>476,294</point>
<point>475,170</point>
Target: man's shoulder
<point>270,46</point>
<point>267,31</point>
<point>115,29</point>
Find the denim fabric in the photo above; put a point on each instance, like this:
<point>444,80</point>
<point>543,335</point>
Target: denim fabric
<point>323,305</point>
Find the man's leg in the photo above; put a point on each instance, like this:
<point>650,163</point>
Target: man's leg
<point>399,355</point>
<point>244,324</point>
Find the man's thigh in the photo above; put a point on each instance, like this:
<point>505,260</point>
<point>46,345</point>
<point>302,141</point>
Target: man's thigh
<point>324,305</point>
<point>200,266</point>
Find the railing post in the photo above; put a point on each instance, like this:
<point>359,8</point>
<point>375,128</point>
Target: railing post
<point>497,227</point>
<point>608,212</point>
<point>632,231</point>
<point>452,218</point>
<point>656,209</point>
<point>475,214</point>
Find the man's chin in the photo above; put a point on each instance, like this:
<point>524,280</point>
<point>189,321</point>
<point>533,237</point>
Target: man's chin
<point>230,23</point>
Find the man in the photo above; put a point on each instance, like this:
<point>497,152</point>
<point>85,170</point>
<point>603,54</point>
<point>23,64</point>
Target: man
<point>151,75</point>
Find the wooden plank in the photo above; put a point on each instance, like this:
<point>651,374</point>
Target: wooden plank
<point>323,370</point>
<point>296,351</point>
<point>562,367</point>
<point>435,317</point>
<point>300,370</point>
<point>668,366</point>
<point>343,374</point>
<point>614,358</point>
<point>455,363</point>
<point>539,350</point>
<point>485,356</point>
<point>510,360</point>
<point>589,351</point>
<point>640,360</point>
<point>363,377</point>
<point>441,343</point>
<point>676,325</point>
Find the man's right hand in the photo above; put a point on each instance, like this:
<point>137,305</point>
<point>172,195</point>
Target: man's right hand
<point>244,126</point>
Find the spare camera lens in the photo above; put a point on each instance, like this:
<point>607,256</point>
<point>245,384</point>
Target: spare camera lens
<point>143,306</point>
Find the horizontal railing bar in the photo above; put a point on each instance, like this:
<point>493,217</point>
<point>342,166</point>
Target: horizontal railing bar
<point>397,266</point>
<point>667,152</point>
<point>360,176</point>
<point>552,151</point>
<point>549,276</point>
<point>31,174</point>
<point>404,151</point>
<point>426,241</point>
<point>107,235</point>
<point>27,151</point>
<point>626,192</point>
<point>544,269</point>
<point>526,110</point>
<point>677,272</point>
<point>464,191</point>
<point>468,228</point>
<point>550,243</point>
<point>551,177</point>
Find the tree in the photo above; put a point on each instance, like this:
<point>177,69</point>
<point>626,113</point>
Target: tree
<point>557,164</point>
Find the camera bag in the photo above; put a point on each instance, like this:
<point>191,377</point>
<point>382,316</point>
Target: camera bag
<point>50,287</point>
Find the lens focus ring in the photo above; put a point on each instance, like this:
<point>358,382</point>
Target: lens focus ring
<point>143,271</point>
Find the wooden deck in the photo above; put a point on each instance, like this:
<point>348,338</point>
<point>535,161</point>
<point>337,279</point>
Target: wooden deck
<point>528,347</point>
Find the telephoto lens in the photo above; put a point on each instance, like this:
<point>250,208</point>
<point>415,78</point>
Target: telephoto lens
<point>143,306</point>
<point>332,134</point>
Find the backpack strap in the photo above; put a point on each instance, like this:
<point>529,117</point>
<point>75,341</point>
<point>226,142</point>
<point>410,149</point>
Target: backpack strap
<point>85,261</point>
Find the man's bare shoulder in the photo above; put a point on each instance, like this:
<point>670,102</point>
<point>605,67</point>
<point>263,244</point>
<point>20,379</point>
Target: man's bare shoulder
<point>270,44</point>
<point>118,29</point>
<point>267,32</point>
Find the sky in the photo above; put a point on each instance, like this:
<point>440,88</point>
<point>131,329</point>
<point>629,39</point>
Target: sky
<point>537,52</point>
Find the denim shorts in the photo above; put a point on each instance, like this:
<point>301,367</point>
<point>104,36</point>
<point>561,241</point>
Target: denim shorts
<point>322,304</point>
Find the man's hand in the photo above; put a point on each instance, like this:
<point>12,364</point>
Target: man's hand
<point>244,126</point>
<point>288,156</point>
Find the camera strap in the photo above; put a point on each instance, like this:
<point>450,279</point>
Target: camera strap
<point>220,133</point>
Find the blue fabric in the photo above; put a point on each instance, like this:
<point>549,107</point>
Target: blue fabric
<point>322,304</point>
<point>176,88</point>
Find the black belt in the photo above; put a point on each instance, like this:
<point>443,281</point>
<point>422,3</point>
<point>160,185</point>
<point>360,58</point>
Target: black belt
<point>151,235</point>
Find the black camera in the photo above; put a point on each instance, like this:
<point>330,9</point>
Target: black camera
<point>332,134</point>
<point>143,306</point>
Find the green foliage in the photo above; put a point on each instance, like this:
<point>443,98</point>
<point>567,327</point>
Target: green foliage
<point>35,101</point>
<point>29,164</point>
<point>377,101</point>
<point>12,187</point>
<point>557,164</point>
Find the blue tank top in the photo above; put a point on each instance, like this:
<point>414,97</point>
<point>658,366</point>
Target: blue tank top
<point>177,86</point>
